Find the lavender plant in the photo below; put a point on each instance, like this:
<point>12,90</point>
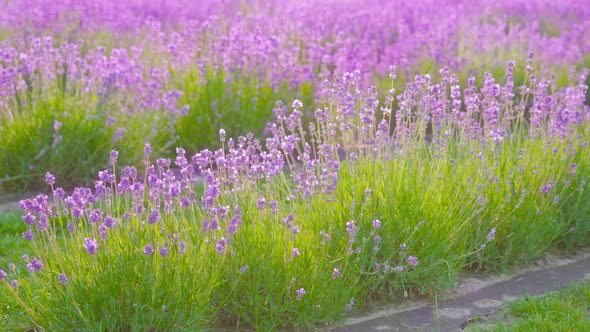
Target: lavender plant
<point>370,201</point>
<point>221,64</point>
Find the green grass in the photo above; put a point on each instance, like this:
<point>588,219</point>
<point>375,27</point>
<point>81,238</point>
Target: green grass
<point>11,245</point>
<point>565,310</point>
<point>239,103</point>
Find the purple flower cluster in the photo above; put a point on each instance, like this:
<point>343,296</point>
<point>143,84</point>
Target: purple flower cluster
<point>90,245</point>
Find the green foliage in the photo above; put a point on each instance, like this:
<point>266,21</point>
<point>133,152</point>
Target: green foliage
<point>239,103</point>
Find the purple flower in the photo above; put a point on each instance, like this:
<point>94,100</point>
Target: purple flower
<point>350,227</point>
<point>28,235</point>
<point>148,250</point>
<point>102,230</point>
<point>261,203</point>
<point>300,293</point>
<point>295,252</point>
<point>12,267</point>
<point>376,224</point>
<point>60,193</point>
<point>336,273</point>
<point>185,201</point>
<point>163,251</point>
<point>49,179</point>
<point>413,261</point>
<point>221,135</point>
<point>492,235</point>
<point>110,222</point>
<point>182,248</point>
<point>220,246</point>
<point>95,216</point>
<point>2,274</point>
<point>349,306</point>
<point>147,150</point>
<point>43,223</point>
<point>377,239</point>
<point>154,217</point>
<point>29,219</point>
<point>63,279</point>
<point>70,226</point>
<point>90,245</point>
<point>35,265</point>
<point>14,283</point>
<point>398,268</point>
<point>243,269</point>
<point>546,188</point>
<point>113,156</point>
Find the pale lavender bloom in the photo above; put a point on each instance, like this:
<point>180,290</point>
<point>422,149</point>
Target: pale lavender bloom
<point>546,188</point>
<point>377,239</point>
<point>113,156</point>
<point>413,261</point>
<point>28,235</point>
<point>349,306</point>
<point>118,134</point>
<point>148,250</point>
<point>295,252</point>
<point>336,273</point>
<point>91,246</point>
<point>12,267</point>
<point>49,179</point>
<point>398,268</point>
<point>2,274</point>
<point>29,219</point>
<point>110,222</point>
<point>163,251</point>
<point>350,227</point>
<point>14,283</point>
<point>70,226</point>
<point>35,265</point>
<point>261,203</point>
<point>273,207</point>
<point>147,150</point>
<point>221,135</point>
<point>60,193</point>
<point>185,201</point>
<point>102,230</point>
<point>243,269</point>
<point>95,216</point>
<point>300,293</point>
<point>220,246</point>
<point>288,220</point>
<point>63,279</point>
<point>154,217</point>
<point>43,223</point>
<point>376,224</point>
<point>325,236</point>
<point>492,235</point>
<point>182,248</point>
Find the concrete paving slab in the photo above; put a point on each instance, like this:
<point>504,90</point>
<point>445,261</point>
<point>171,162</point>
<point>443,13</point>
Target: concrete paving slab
<point>477,299</point>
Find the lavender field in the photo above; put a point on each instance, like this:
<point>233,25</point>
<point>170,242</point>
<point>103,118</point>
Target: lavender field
<point>268,164</point>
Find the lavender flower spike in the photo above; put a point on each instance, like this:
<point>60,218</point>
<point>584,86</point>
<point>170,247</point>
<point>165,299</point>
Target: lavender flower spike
<point>91,246</point>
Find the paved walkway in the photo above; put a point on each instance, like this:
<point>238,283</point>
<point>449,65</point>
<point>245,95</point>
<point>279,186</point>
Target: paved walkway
<point>9,203</point>
<point>477,299</point>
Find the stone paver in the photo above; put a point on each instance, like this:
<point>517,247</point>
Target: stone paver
<point>472,303</point>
